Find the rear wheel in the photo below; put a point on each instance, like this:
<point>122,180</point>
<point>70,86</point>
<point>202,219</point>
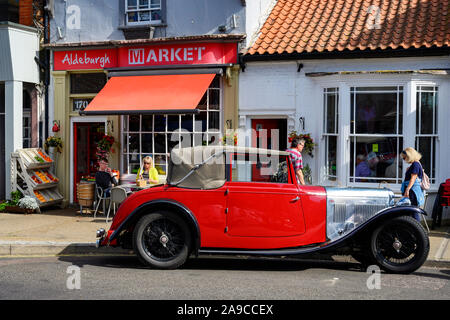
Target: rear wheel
<point>162,240</point>
<point>400,245</point>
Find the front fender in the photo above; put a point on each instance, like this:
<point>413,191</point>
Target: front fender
<point>380,217</point>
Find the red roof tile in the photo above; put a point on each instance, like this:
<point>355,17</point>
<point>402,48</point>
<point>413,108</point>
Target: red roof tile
<point>328,25</point>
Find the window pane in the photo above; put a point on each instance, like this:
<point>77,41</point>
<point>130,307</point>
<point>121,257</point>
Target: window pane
<point>202,105</point>
<point>144,15</point>
<point>376,113</point>
<point>156,15</point>
<point>133,143</point>
<point>173,123</point>
<point>201,118</point>
<point>134,163</point>
<point>426,146</point>
<point>143,4</point>
<point>187,122</point>
<point>132,4</point>
<point>147,123</point>
<point>155,4</point>
<point>160,164</point>
<point>132,16</point>
<point>374,159</point>
<point>214,99</point>
<point>160,123</point>
<point>330,157</point>
<point>213,120</point>
<point>160,143</point>
<point>425,111</point>
<point>147,143</point>
<point>134,123</point>
<point>331,113</point>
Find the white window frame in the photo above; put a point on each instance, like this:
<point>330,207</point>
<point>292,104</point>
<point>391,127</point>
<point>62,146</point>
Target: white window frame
<point>326,135</point>
<point>435,134</point>
<point>139,9</point>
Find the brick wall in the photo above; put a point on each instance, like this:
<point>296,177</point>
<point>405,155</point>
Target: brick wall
<point>26,12</point>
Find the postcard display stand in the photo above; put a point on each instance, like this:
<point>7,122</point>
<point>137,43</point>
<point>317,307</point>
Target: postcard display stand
<point>31,175</point>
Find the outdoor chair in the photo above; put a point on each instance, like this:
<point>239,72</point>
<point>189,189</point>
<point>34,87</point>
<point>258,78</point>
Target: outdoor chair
<point>118,195</point>
<point>101,197</point>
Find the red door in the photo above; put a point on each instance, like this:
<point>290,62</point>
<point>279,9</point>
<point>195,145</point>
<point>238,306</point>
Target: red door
<point>85,138</point>
<point>267,134</point>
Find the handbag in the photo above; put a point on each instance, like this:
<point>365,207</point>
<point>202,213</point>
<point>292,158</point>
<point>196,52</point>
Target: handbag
<point>425,183</point>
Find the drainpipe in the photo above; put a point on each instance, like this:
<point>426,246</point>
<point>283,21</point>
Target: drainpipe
<point>47,70</point>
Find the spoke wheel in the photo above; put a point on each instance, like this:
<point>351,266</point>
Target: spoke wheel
<point>400,245</point>
<point>162,240</point>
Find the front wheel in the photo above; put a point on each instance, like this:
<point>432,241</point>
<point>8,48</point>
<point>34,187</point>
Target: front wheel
<point>400,245</point>
<point>162,240</point>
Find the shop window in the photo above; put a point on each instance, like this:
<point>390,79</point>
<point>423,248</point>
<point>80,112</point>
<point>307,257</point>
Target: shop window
<point>426,128</point>
<point>143,12</point>
<point>330,131</point>
<point>156,135</point>
<point>376,134</point>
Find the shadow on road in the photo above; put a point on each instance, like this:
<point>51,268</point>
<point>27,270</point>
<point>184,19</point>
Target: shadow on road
<point>215,263</point>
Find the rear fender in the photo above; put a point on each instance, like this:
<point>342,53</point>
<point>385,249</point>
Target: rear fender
<point>157,205</point>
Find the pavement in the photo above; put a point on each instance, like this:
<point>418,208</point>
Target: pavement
<point>59,232</point>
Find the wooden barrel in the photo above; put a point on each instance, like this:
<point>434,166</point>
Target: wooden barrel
<point>85,193</point>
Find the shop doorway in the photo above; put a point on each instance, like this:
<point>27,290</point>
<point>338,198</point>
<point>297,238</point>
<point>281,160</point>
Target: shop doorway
<point>268,134</point>
<point>85,138</point>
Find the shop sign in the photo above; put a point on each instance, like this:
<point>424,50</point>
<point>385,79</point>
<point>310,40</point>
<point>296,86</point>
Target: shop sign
<point>85,59</point>
<point>183,54</point>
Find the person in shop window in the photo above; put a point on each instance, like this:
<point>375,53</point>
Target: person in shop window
<point>148,172</point>
<point>413,177</point>
<point>105,178</point>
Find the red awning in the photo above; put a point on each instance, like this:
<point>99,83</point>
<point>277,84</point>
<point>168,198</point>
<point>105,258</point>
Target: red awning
<point>162,94</point>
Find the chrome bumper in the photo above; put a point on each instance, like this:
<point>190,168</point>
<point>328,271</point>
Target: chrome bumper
<point>100,235</point>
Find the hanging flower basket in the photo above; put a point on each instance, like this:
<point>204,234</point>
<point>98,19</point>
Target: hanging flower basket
<point>104,147</point>
<point>53,141</point>
<point>309,142</point>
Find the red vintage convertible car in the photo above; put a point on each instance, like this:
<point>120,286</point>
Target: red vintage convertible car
<point>246,201</point>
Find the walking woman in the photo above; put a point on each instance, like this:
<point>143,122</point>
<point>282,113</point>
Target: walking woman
<point>148,172</point>
<point>414,174</point>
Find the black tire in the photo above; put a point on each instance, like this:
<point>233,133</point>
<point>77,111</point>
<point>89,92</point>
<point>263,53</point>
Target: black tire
<point>162,240</point>
<point>400,245</point>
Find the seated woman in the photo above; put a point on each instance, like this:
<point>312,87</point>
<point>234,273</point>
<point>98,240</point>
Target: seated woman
<point>105,178</point>
<point>148,172</point>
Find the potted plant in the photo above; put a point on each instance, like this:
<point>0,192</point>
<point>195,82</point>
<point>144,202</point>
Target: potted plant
<point>309,142</point>
<point>29,204</point>
<point>53,142</point>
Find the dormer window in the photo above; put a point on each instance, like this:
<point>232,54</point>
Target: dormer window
<point>139,12</point>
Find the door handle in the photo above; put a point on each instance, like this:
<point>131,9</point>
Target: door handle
<point>295,199</point>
